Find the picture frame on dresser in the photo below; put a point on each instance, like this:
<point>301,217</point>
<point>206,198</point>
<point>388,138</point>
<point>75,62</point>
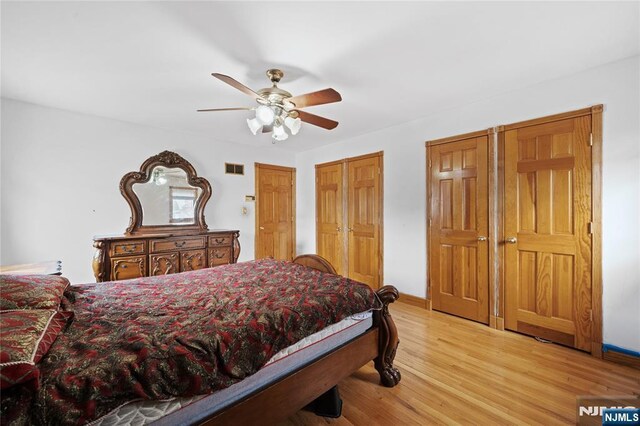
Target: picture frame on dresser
<point>153,243</point>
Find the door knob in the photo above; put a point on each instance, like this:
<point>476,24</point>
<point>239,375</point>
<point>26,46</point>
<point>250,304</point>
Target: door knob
<point>338,229</point>
<point>482,238</point>
<point>350,229</point>
<point>262,228</point>
<point>511,240</point>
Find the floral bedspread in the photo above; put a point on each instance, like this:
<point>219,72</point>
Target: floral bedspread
<point>177,335</point>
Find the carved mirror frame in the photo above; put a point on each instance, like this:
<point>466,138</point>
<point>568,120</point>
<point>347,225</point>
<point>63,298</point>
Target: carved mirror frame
<point>170,160</point>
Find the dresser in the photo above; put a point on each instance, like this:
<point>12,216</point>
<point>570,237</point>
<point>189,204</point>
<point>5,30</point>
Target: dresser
<point>123,257</point>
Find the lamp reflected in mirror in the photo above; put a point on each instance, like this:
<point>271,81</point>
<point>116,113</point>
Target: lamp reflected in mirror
<point>167,198</point>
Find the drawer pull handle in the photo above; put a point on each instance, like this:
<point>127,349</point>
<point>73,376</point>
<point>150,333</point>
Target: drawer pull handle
<point>124,266</point>
<point>180,244</point>
<point>128,249</point>
<point>219,240</point>
<point>218,256</point>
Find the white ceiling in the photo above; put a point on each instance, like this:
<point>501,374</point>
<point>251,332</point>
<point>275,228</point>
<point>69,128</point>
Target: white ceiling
<point>150,62</point>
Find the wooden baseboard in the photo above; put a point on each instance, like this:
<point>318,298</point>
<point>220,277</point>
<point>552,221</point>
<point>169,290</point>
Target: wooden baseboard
<point>420,302</point>
<point>496,322</point>
<point>612,355</point>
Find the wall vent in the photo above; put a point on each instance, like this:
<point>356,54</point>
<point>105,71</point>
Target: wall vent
<point>234,169</point>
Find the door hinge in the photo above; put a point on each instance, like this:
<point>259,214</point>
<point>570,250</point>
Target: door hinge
<point>590,139</point>
<point>590,228</point>
<point>591,315</point>
<point>429,221</point>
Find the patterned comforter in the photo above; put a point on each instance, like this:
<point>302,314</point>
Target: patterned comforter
<point>177,335</point>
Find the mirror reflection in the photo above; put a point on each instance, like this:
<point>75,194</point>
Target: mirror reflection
<point>168,198</point>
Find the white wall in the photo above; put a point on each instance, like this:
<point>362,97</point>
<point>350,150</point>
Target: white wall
<point>615,85</point>
<point>60,173</point>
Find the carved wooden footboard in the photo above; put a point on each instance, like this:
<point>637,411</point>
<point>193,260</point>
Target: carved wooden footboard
<point>388,337</point>
<point>283,398</point>
<point>387,331</point>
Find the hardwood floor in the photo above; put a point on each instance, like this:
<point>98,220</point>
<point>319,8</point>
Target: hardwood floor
<point>456,371</point>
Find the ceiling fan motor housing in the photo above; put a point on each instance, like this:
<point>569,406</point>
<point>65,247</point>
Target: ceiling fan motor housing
<point>275,75</point>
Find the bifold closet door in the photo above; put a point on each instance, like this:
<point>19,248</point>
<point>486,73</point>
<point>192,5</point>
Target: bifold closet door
<point>349,217</point>
<point>547,238</point>
<point>330,232</point>
<point>364,209</point>
<point>458,228</point>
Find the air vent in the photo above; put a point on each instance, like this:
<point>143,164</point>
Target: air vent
<point>234,169</point>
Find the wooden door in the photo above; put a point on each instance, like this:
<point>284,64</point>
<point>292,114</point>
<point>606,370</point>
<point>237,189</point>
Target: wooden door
<point>364,209</point>
<point>547,236</point>
<point>330,230</point>
<point>275,212</point>
<point>458,230</point>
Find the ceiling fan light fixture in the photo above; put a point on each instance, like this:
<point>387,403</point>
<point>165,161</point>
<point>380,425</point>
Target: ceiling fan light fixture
<point>293,124</point>
<point>254,125</point>
<point>159,177</point>
<point>265,115</point>
<point>279,133</point>
<point>279,112</point>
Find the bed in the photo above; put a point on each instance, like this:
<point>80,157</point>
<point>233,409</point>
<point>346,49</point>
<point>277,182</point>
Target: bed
<point>101,369</point>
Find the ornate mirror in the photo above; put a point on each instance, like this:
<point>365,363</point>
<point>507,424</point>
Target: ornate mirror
<point>166,195</point>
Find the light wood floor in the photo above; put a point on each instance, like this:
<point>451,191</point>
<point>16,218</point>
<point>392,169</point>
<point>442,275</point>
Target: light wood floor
<point>456,371</point>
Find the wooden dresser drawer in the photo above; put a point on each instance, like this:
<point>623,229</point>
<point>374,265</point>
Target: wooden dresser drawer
<point>122,257</point>
<point>177,244</point>
<point>220,240</point>
<point>128,248</point>
<point>219,256</point>
<point>125,268</point>
<point>164,263</point>
<point>192,260</point>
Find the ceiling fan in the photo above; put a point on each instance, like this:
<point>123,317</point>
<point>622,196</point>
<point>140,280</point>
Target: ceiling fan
<point>278,109</point>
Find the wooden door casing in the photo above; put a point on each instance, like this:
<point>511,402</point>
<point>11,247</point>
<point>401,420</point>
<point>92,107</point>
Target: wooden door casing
<point>364,216</point>
<point>330,229</point>
<point>547,214</point>
<point>458,227</point>
<point>275,212</point>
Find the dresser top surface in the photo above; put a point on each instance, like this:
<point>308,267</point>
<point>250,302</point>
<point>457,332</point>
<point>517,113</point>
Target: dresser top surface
<point>110,237</point>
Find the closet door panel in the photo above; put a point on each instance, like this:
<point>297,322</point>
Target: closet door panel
<point>364,207</point>
<point>458,230</point>
<point>330,230</point>
<point>548,245</point>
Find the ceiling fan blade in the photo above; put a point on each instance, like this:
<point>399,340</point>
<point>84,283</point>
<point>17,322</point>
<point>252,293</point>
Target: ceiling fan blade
<point>320,97</point>
<point>316,120</point>
<point>234,83</point>
<point>267,128</point>
<point>226,109</point>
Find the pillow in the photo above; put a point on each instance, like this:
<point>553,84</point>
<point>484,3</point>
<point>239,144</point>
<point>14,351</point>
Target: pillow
<point>25,337</point>
<point>31,291</point>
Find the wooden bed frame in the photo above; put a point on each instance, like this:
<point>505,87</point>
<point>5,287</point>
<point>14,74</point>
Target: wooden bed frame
<point>296,390</point>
